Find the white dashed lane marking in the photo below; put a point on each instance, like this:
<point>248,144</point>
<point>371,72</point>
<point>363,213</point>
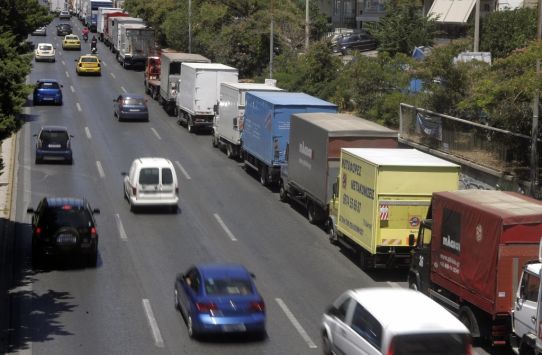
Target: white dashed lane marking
<point>113,75</point>
<point>158,341</point>
<point>156,133</point>
<point>296,324</point>
<point>120,227</point>
<point>225,227</point>
<point>78,107</point>
<point>123,89</point>
<point>182,170</point>
<point>87,132</point>
<point>100,169</point>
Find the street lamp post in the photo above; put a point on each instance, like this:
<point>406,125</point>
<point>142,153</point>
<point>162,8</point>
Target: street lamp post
<point>307,24</point>
<point>189,26</point>
<point>536,103</point>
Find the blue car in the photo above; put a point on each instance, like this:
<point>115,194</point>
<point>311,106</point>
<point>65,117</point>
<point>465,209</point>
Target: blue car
<point>219,298</point>
<point>48,91</point>
<point>53,143</point>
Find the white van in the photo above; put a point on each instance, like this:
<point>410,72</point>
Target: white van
<point>151,182</point>
<point>382,321</point>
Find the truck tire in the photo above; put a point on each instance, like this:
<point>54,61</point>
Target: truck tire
<point>467,317</point>
<point>333,237</point>
<point>190,125</point>
<point>263,176</point>
<point>314,213</point>
<point>147,91</point>
<point>365,261</point>
<point>229,151</point>
<point>214,141</point>
<point>283,194</point>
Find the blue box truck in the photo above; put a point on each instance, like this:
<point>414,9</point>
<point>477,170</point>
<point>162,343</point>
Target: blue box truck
<point>266,128</point>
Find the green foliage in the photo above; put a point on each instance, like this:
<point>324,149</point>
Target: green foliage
<point>504,31</point>
<point>21,17</point>
<point>403,28</point>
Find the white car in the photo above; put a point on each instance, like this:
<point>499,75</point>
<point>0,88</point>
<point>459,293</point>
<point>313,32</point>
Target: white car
<point>151,182</point>
<point>376,321</point>
<point>44,52</point>
<point>64,15</point>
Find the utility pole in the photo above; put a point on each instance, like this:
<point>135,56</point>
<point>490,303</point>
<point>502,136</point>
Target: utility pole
<point>307,25</point>
<point>189,26</point>
<point>271,45</point>
<point>477,27</point>
<point>536,102</point>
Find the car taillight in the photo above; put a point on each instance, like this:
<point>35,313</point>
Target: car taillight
<point>37,231</point>
<point>80,65</point>
<point>391,348</point>
<point>93,232</point>
<point>468,350</point>
<point>258,306</point>
<point>176,191</point>
<point>206,307</point>
<point>134,191</point>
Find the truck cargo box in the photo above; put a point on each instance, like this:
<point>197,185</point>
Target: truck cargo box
<point>266,130</point>
<point>481,243</point>
<point>315,146</point>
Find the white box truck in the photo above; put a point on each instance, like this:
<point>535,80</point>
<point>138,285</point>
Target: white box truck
<point>228,122</point>
<point>199,87</point>
<point>116,23</point>
<point>100,22</point>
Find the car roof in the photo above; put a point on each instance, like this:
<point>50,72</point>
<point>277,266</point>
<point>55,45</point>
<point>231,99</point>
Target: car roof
<point>47,81</point>
<point>71,35</point>
<point>220,270</point>
<point>132,96</point>
<point>54,128</point>
<point>64,25</point>
<point>406,311</point>
<point>284,98</point>
<point>89,56</point>
<point>154,161</point>
<point>61,201</point>
<point>45,43</point>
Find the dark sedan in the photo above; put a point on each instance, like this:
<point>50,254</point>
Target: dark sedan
<point>355,41</point>
<point>47,91</point>
<point>219,298</point>
<point>53,143</point>
<point>64,29</point>
<point>131,107</point>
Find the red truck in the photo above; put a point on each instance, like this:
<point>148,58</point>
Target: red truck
<point>470,252</point>
<point>152,76</point>
<point>106,36</point>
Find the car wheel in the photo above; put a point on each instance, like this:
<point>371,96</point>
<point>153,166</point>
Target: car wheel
<point>37,255</point>
<point>190,326</point>
<point>132,207</point>
<point>326,345</point>
<point>92,259</point>
<point>70,161</point>
<point>177,306</point>
<point>38,160</point>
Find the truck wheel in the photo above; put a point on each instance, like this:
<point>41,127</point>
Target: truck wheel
<point>214,141</point>
<point>314,213</point>
<point>190,125</point>
<point>147,91</point>
<point>283,194</point>
<point>263,176</point>
<point>229,151</point>
<point>467,317</point>
<point>333,238</point>
<point>364,260</point>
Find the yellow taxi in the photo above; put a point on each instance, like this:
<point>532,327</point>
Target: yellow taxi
<point>71,42</point>
<point>88,64</point>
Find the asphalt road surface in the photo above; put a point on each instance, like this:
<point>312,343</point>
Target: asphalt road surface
<point>125,305</point>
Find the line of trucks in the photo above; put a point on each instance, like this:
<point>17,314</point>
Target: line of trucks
<point>477,252</point>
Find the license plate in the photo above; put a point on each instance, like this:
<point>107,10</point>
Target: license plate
<point>234,328</point>
<point>54,145</point>
<point>48,99</point>
<point>134,110</point>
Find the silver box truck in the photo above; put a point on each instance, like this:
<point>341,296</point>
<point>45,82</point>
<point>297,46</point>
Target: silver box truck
<point>136,42</point>
<point>115,29</point>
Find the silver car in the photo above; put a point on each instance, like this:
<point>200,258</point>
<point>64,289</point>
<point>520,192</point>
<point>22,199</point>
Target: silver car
<point>131,107</point>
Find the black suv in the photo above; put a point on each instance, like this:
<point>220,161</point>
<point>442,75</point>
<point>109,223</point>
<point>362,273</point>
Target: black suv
<point>362,41</point>
<point>54,143</point>
<point>64,29</point>
<point>64,225</point>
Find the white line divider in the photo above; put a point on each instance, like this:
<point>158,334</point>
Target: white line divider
<point>158,341</point>
<point>67,74</point>
<point>63,62</point>
<point>156,133</point>
<point>113,75</point>
<point>296,324</point>
<point>120,227</point>
<point>78,107</point>
<point>225,227</point>
<point>87,132</point>
<point>104,63</point>
<point>123,89</point>
<point>183,170</point>
<point>100,169</point>
<point>72,88</point>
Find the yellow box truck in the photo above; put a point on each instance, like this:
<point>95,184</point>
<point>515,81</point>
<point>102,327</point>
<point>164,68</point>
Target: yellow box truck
<point>383,195</point>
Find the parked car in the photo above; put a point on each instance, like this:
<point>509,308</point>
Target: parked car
<point>61,226</point>
<point>47,91</point>
<point>131,107</point>
<point>53,143</point>
<point>88,64</point>
<point>64,29</point>
<point>41,31</point>
<point>219,298</point>
<point>361,41</point>
<point>392,321</point>
<point>44,52</point>
<point>151,182</point>
<point>71,42</point>
<point>64,15</point>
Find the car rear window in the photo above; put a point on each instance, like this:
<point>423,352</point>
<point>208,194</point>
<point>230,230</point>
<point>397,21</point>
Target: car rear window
<point>227,287</point>
<point>167,176</point>
<point>54,137</point>
<point>45,47</point>
<point>67,216</point>
<point>48,85</point>
<point>89,60</point>
<point>431,344</point>
<point>149,176</point>
<point>133,101</point>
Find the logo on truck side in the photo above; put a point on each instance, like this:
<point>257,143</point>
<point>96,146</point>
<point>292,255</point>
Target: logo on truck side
<point>306,151</point>
<point>451,230</point>
<point>447,241</point>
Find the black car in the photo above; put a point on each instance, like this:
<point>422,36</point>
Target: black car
<point>53,143</point>
<point>64,29</point>
<point>355,41</point>
<point>63,225</point>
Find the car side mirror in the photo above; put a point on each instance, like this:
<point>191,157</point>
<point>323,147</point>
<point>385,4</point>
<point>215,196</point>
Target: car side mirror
<point>71,135</point>
<point>30,210</point>
<point>252,275</point>
<point>76,60</point>
<point>35,135</point>
<point>61,85</point>
<point>96,211</point>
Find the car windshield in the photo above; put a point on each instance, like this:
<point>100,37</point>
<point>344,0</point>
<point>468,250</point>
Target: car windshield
<point>89,60</point>
<point>54,137</point>
<point>227,287</point>
<point>67,216</point>
<point>48,85</point>
<point>149,176</point>
<point>430,344</point>
<point>72,37</point>
<point>45,47</point>
<point>134,101</point>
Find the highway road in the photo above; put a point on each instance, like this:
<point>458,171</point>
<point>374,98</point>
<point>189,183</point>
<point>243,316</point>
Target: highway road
<point>125,305</point>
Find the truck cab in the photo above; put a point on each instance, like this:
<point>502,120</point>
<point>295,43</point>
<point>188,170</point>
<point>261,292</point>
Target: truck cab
<point>420,264</point>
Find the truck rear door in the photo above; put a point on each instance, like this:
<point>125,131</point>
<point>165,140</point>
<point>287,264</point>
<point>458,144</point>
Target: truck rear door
<point>398,218</point>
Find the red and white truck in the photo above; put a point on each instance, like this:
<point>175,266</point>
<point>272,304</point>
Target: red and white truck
<point>470,253</point>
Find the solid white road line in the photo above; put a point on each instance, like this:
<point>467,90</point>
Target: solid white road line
<point>225,227</point>
<point>67,75</point>
<point>182,170</point>
<point>72,88</point>
<point>393,284</point>
<point>296,324</point>
<point>123,89</point>
<point>120,227</point>
<point>156,133</point>
<point>100,169</point>
<point>78,107</point>
<point>152,322</point>
<point>113,75</point>
<point>87,132</point>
